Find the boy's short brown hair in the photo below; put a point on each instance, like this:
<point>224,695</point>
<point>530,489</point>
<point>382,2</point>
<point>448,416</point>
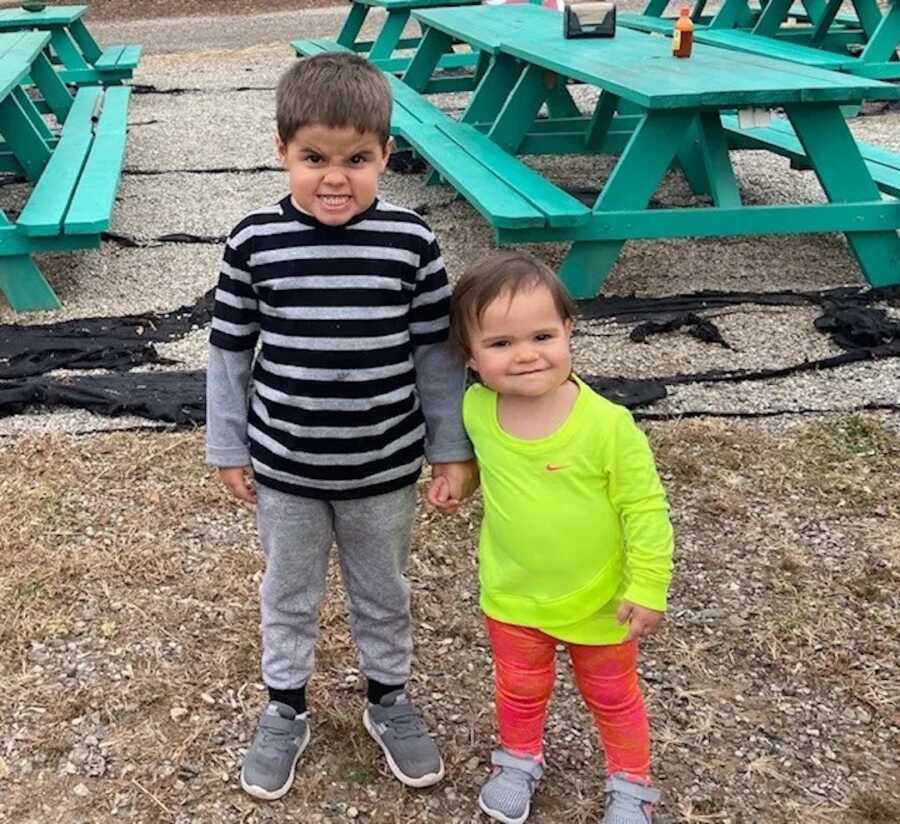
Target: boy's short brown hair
<point>335,90</point>
<point>498,274</point>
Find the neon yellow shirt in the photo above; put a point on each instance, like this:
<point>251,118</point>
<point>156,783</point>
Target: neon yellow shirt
<point>574,523</point>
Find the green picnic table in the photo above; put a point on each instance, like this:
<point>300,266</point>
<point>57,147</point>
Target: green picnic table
<point>390,38</point>
<point>870,50</point>
<point>80,59</point>
<point>73,160</point>
<point>679,122</point>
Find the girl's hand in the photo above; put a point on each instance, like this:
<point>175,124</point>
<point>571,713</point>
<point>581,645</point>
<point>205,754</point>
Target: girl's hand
<point>237,479</point>
<point>641,620</point>
<point>439,496</point>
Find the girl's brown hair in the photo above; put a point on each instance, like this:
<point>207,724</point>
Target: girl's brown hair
<point>502,273</point>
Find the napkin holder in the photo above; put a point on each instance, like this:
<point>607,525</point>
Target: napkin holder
<point>589,19</point>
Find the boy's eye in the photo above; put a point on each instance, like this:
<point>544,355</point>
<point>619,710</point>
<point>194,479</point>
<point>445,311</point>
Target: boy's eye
<point>311,157</point>
<point>358,160</point>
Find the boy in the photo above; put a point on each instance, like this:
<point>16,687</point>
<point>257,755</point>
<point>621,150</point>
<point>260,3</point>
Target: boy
<point>353,385</point>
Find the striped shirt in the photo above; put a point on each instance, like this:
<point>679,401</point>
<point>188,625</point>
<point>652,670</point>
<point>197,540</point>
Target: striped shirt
<point>335,316</point>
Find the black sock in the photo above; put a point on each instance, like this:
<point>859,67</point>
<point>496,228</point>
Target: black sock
<point>295,699</point>
<point>377,690</point>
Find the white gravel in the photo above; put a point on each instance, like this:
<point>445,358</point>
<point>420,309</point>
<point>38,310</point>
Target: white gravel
<point>167,188</point>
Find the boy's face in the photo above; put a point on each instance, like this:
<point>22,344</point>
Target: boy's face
<point>521,345</point>
<point>333,171</point>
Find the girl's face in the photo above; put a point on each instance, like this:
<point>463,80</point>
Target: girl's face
<point>521,345</point>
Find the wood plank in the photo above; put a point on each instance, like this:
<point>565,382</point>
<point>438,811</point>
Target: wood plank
<point>641,69</point>
<point>18,18</point>
<point>489,194</point>
<point>560,207</point>
<point>109,58</point>
<point>745,41</point>
<point>46,207</point>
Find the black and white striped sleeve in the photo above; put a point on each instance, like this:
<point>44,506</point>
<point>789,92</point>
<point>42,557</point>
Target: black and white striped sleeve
<point>429,317</point>
<point>235,324</point>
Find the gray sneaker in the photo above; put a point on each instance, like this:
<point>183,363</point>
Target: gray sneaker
<point>268,769</point>
<point>506,796</point>
<point>411,754</point>
<point>629,802</point>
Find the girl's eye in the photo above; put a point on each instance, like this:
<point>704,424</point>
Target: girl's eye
<point>543,336</point>
<point>498,344</point>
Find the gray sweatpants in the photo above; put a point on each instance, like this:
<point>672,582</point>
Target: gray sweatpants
<point>372,536</point>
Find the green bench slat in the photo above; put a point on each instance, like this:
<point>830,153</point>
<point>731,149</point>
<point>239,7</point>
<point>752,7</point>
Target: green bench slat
<point>46,207</point>
<point>130,57</point>
<point>750,43</point>
<point>107,61</point>
<point>884,166</point>
<point>83,107</point>
<point>560,208</point>
<point>413,102</point>
<point>311,47</point>
<point>496,200</point>
<point>92,205</point>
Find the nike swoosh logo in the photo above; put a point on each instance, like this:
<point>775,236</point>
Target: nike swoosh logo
<point>555,468</point>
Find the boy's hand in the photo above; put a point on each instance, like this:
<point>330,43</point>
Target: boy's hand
<point>641,620</point>
<point>237,479</point>
<point>451,484</point>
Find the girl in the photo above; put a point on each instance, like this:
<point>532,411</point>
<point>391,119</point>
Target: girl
<point>576,543</point>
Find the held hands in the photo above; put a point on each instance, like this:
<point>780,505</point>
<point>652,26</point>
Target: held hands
<point>451,484</point>
<point>641,620</point>
<point>237,479</point>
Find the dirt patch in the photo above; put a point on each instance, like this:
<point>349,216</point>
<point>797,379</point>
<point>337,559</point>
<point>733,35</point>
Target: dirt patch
<point>129,645</point>
<point>109,10</point>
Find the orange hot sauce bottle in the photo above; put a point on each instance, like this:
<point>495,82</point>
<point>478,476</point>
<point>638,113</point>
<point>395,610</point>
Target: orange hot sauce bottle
<point>683,36</point>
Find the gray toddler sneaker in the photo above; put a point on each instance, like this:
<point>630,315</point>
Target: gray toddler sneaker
<point>281,736</point>
<point>506,796</point>
<point>395,724</point>
<point>628,802</point>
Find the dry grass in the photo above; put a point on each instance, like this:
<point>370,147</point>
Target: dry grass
<point>128,642</point>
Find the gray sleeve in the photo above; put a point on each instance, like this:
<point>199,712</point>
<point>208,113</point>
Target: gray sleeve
<point>441,382</point>
<point>227,398</point>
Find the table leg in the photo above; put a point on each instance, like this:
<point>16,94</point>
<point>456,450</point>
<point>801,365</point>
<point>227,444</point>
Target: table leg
<point>352,24</point>
<point>635,178</point>
<point>534,86</point>
<point>718,171</point>
<point>493,90</point>
<point>389,36</point>
<point>869,16</point>
<point>884,41</point>
<point>23,138</point>
<point>432,47</point>
<point>732,14</point>
<point>832,7</point>
<point>655,8</point>
<point>601,121</point>
<point>560,102</point>
<point>21,281</point>
<point>773,15</point>
<point>837,162</point>
<point>67,51</point>
<point>51,87</point>
<point>85,40</point>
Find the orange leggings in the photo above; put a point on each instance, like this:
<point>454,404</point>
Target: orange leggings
<point>524,673</point>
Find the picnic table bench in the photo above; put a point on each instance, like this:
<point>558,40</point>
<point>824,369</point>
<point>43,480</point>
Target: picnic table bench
<point>74,170</point>
<point>389,39</point>
<point>680,104</point>
<point>80,59</point>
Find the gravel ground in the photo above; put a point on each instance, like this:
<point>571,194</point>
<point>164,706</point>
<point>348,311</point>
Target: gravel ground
<point>200,158</point>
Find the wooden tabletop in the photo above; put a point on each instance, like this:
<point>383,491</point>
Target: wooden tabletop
<point>17,52</point>
<point>16,18</point>
<point>640,67</point>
